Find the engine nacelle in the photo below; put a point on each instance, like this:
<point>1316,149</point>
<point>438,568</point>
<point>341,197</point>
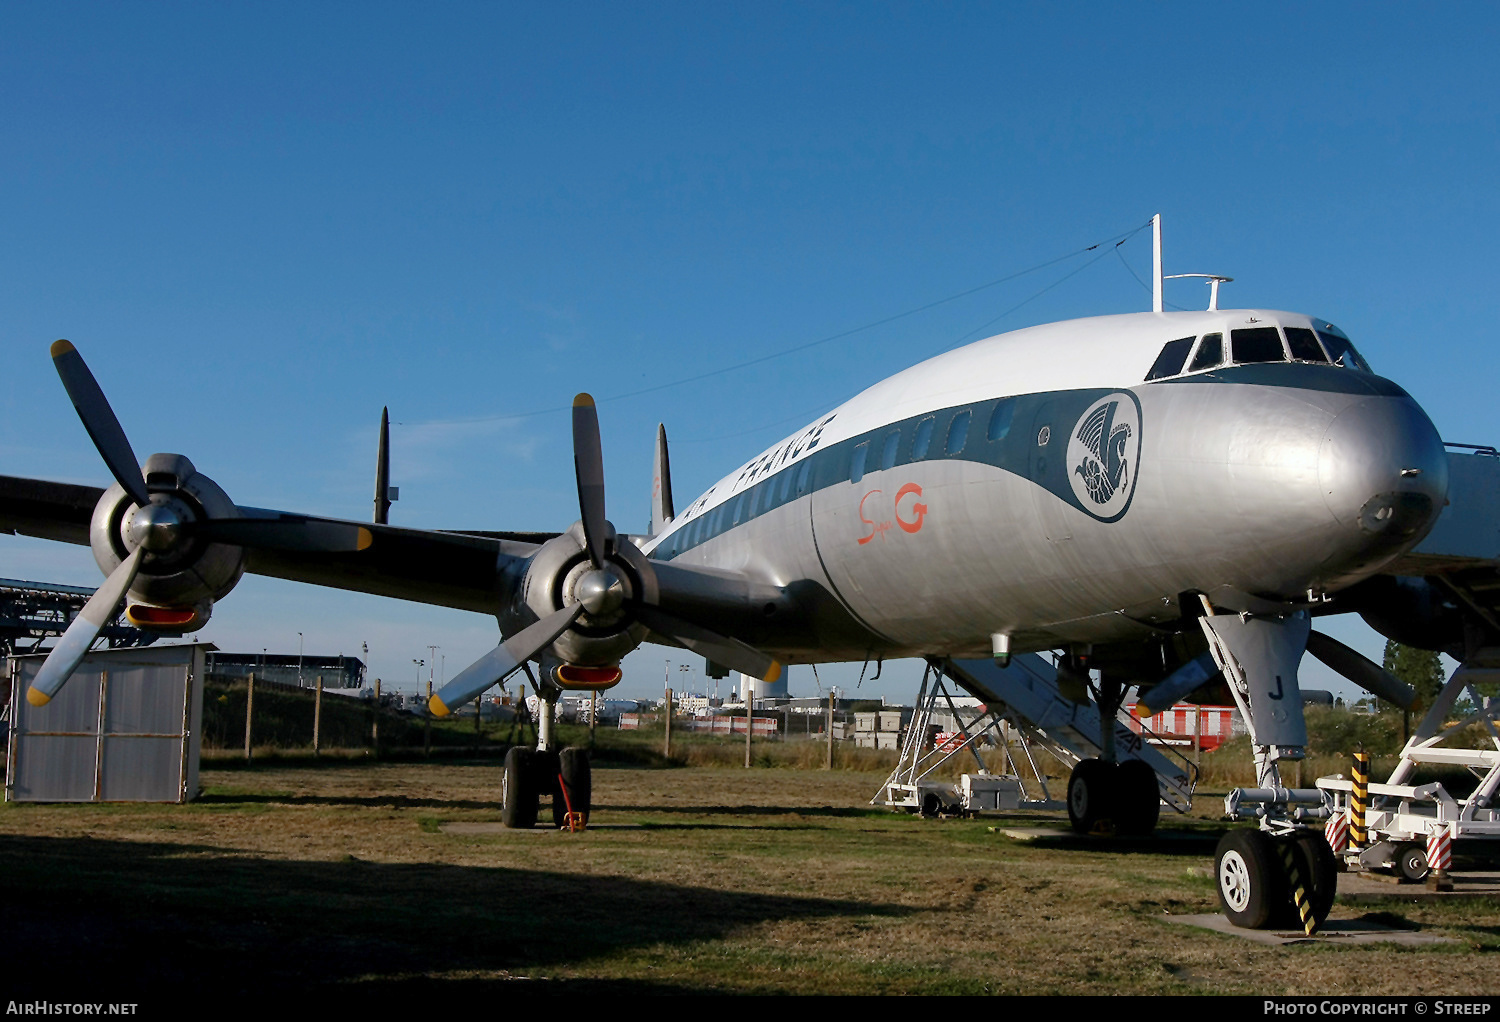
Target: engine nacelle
<point>553,581</point>
<point>181,575</point>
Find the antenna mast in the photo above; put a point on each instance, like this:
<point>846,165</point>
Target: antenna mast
<point>1156,300</point>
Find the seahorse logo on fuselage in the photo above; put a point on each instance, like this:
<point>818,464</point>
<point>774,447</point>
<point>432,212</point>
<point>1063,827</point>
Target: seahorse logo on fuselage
<point>1103,451</point>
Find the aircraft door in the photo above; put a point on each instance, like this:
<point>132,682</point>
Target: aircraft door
<point>1047,462</point>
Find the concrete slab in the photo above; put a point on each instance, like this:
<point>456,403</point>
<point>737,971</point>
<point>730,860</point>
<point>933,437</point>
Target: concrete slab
<point>1358,887</point>
<point>467,828</point>
<point>1334,931</point>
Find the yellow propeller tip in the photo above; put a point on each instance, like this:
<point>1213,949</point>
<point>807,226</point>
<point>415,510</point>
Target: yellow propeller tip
<point>36,697</point>
<point>60,348</point>
<point>583,401</point>
<point>774,673</point>
<point>436,708</point>
<point>366,537</point>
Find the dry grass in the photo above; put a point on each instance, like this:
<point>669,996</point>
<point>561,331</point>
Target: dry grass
<point>348,879</point>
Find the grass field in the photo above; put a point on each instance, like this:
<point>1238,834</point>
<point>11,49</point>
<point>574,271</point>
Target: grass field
<point>359,879</point>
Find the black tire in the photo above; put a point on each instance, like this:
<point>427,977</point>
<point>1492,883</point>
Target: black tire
<point>1137,798</point>
<point>931,805</point>
<point>518,806</point>
<point>1091,795</point>
<point>578,777</point>
<point>1250,879</point>
<point>1319,871</point>
<point>1411,862</point>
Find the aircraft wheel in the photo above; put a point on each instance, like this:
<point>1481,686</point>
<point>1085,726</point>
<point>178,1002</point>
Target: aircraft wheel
<point>518,806</point>
<point>1319,871</point>
<point>578,778</point>
<point>1250,878</point>
<point>1411,862</point>
<point>1091,794</point>
<point>1137,799</point>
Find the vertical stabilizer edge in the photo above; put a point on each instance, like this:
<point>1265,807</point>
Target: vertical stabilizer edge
<point>662,511</point>
<point>383,470</point>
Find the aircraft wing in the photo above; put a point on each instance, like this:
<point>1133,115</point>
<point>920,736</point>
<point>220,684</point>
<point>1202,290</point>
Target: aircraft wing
<point>466,570</point>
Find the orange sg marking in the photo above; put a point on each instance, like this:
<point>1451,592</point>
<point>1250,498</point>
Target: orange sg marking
<point>876,528</point>
<point>919,510</point>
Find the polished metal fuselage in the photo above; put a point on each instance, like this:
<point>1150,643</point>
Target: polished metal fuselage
<point>1036,486</point>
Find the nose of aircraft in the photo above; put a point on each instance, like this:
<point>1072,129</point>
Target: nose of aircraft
<point>1384,473</point>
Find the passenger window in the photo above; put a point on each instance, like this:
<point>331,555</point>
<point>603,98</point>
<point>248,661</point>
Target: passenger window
<point>857,464</point>
<point>1171,359</point>
<point>1210,353</point>
<point>923,438</point>
<point>888,453</point>
<point>958,432</point>
<point>1303,345</point>
<point>786,486</point>
<point>1258,344</point>
<point>802,476</point>
<point>1000,419</point>
<point>739,509</point>
<point>1341,351</point>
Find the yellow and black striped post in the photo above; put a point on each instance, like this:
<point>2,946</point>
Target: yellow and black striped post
<point>1299,888</point>
<point>1359,799</point>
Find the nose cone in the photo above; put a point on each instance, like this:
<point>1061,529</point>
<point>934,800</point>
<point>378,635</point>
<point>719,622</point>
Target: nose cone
<point>1383,474</point>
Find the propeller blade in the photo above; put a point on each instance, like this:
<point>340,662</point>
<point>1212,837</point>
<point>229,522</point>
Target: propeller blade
<point>721,649</point>
<point>588,463</point>
<point>294,534</point>
<point>99,419</point>
<point>75,642</point>
<point>1165,693</point>
<point>1361,670</point>
<point>498,663</point>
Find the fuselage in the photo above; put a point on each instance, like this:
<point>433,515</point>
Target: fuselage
<point>1066,484</point>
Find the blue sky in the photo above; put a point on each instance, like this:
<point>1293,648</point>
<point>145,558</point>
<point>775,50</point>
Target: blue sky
<point>260,223</point>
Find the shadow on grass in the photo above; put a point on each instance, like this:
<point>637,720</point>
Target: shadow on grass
<point>366,802</point>
<point>106,920</point>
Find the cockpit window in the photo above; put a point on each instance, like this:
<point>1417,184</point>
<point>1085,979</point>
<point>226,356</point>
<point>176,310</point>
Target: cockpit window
<point>1171,359</point>
<point>1257,344</point>
<point>1210,353</point>
<point>1304,346</point>
<point>1342,352</point>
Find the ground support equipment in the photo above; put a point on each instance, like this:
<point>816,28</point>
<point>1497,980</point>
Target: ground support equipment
<point>1413,827</point>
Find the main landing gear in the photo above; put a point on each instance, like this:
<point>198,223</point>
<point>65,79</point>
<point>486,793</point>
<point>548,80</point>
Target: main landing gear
<point>1275,881</point>
<point>531,774</point>
<point>1113,797</point>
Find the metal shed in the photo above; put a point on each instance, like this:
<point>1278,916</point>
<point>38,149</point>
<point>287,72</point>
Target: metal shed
<point>125,728</point>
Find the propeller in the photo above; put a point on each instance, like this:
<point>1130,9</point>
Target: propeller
<point>157,528</point>
<point>1361,670</point>
<point>599,593</point>
<point>69,651</point>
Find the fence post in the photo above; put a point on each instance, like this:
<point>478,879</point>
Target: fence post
<point>749,722</point>
<point>317,716</point>
<point>375,724</point>
<point>829,765</point>
<point>667,752</point>
<point>249,712</point>
<point>427,723</point>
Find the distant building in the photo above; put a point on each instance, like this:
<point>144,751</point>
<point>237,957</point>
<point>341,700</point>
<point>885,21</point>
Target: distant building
<point>288,669</point>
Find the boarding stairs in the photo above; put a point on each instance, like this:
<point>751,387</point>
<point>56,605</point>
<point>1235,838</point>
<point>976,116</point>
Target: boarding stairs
<point>1025,694</point>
